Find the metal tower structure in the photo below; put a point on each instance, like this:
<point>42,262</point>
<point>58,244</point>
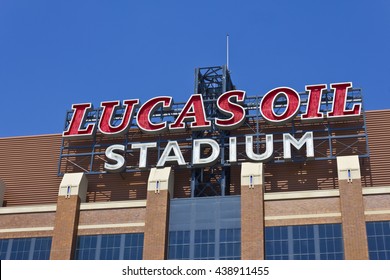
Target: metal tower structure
<point>211,82</point>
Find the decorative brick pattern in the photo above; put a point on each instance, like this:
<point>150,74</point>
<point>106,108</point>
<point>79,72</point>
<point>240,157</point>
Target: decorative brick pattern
<point>112,216</point>
<point>302,206</point>
<point>376,202</point>
<point>26,220</point>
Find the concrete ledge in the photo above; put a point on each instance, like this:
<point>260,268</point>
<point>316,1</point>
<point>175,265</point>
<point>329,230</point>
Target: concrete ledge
<point>111,225</point>
<point>142,203</point>
<point>7,230</point>
<point>113,205</point>
<point>301,194</point>
<point>28,209</point>
<point>376,190</point>
<point>83,206</point>
<point>304,216</point>
<point>376,212</point>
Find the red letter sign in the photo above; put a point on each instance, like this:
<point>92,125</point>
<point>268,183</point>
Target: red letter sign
<point>193,110</point>
<point>108,115</point>
<point>340,100</point>
<point>78,118</point>
<point>268,101</point>
<point>314,102</point>
<point>234,111</point>
<point>145,114</point>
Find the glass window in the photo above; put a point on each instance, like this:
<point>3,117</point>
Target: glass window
<point>3,248</point>
<point>331,237</point>
<point>276,242</point>
<point>20,249</point>
<point>110,247</point>
<point>179,245</point>
<point>204,244</point>
<point>42,248</point>
<point>135,243</point>
<point>207,222</point>
<point>86,247</point>
<point>305,242</point>
<point>25,248</point>
<point>230,244</point>
<point>378,237</point>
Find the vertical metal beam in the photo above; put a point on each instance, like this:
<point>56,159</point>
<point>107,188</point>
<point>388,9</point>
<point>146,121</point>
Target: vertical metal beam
<point>193,183</point>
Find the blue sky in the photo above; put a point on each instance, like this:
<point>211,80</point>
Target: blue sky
<point>56,53</point>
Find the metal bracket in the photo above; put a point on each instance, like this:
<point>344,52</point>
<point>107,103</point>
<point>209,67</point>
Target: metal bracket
<point>68,191</point>
<point>251,185</point>
<point>157,190</point>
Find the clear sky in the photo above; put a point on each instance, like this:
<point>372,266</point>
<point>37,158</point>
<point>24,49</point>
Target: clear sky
<point>56,53</point>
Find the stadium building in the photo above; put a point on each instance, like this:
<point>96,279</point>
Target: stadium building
<point>283,175</point>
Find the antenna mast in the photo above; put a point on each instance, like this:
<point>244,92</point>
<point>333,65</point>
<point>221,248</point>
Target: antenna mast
<point>227,51</point>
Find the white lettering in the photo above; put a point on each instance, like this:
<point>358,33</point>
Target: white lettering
<point>119,160</point>
<point>233,149</point>
<point>196,151</point>
<point>269,148</point>
<point>172,153</point>
<point>143,151</point>
<point>289,140</point>
<point>172,146</point>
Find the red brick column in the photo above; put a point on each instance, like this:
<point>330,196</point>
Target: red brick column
<point>160,188</point>
<point>72,192</point>
<point>352,208</point>
<point>65,228</point>
<point>252,212</point>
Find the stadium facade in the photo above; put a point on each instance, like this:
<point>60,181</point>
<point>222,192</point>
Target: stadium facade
<point>284,175</point>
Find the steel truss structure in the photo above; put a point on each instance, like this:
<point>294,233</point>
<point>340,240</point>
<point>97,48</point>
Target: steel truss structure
<point>332,138</point>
